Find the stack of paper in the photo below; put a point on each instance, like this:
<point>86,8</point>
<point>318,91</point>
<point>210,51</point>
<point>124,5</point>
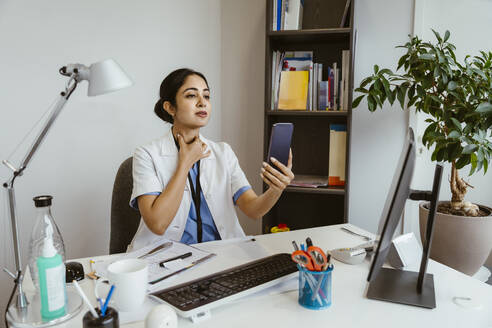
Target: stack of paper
<point>155,270</point>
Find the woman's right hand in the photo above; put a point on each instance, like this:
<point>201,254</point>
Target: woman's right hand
<point>191,153</point>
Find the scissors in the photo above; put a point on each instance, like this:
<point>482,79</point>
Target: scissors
<point>314,259</point>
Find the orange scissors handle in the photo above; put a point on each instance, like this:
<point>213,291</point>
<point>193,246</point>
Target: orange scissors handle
<point>304,259</point>
<point>318,257</point>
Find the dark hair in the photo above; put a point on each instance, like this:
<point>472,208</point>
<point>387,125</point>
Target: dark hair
<point>169,88</point>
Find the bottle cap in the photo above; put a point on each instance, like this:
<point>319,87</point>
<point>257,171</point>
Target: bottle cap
<point>42,201</point>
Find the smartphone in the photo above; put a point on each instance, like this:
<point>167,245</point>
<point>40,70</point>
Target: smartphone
<point>280,140</point>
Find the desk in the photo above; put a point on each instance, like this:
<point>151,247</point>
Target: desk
<point>350,308</point>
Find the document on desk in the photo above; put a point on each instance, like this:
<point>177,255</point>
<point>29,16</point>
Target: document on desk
<point>243,248</point>
<point>169,252</point>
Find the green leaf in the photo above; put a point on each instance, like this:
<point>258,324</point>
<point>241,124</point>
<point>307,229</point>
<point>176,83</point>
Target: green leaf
<point>371,103</point>
<point>470,149</point>
<point>426,57</point>
<point>401,61</point>
<point>438,37</point>
<point>376,69</point>
<point>480,155</point>
<point>437,72</point>
<point>361,90</point>
<point>454,134</point>
<point>452,85</point>
<point>365,82</point>
<point>463,161</point>
<point>356,101</point>
<point>485,166</point>
<point>401,96</point>
<point>454,150</point>
<point>484,107</point>
<point>473,160</point>
<point>385,71</point>
<point>446,36</point>
<point>441,155</point>
<point>479,72</point>
<point>386,85</point>
<point>456,123</point>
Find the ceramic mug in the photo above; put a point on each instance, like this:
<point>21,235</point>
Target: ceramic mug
<point>130,278</point>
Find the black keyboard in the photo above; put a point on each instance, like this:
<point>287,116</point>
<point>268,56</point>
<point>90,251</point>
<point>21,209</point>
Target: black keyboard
<point>197,293</point>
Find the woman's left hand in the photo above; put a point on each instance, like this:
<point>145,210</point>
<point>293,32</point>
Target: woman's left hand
<point>276,179</point>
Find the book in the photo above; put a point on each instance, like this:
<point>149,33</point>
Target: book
<point>331,88</point>
<point>282,21</point>
<point>315,86</point>
<point>335,72</point>
<point>345,79</point>
<point>323,95</point>
<point>279,15</point>
<point>293,91</point>
<point>338,149</point>
<point>345,14</point>
<point>293,15</point>
<point>274,20</point>
<point>310,181</point>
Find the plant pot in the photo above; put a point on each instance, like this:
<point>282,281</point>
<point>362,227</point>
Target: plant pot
<point>461,242</point>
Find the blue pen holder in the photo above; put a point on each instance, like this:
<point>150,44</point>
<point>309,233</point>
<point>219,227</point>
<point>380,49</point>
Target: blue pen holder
<point>315,288</point>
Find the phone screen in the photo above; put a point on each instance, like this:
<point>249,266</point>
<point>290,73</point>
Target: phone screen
<point>280,142</point>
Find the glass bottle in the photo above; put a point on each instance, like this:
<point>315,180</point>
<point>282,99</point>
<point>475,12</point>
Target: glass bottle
<point>45,224</point>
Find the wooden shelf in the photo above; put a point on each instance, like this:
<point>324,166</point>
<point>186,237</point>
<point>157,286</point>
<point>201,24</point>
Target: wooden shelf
<point>317,35</point>
<point>306,113</point>
<point>319,190</point>
<point>311,137</point>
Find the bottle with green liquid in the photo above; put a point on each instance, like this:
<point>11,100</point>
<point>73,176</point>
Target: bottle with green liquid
<point>49,264</point>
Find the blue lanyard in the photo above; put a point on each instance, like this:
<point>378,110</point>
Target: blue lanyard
<point>195,195</point>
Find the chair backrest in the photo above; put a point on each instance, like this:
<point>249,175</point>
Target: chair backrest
<point>124,219</point>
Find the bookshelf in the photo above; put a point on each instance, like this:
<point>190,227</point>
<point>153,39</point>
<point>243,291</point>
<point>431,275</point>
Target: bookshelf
<point>304,207</point>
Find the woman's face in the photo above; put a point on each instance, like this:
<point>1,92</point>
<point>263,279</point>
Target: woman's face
<point>193,103</point>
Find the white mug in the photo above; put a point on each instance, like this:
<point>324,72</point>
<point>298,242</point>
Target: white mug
<point>130,278</point>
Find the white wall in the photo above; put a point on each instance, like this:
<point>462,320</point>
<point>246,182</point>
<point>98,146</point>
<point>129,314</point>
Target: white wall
<point>470,23</point>
<point>243,80</point>
<point>79,159</point>
<point>377,138</point>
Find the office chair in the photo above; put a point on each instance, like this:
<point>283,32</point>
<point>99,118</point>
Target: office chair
<point>124,219</point>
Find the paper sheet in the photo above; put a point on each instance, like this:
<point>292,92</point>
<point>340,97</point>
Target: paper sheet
<point>153,260</point>
<point>245,248</point>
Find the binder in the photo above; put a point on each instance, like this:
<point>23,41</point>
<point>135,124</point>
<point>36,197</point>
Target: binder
<point>293,90</point>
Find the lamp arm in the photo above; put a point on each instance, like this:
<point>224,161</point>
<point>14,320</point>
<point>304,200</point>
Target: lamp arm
<point>70,87</point>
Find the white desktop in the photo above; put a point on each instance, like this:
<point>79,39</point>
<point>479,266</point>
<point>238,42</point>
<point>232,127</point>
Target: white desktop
<point>350,307</point>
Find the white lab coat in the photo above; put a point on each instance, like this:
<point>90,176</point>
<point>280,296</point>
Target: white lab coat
<point>220,178</point>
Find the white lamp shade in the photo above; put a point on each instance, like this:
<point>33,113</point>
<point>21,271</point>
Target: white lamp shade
<point>106,76</point>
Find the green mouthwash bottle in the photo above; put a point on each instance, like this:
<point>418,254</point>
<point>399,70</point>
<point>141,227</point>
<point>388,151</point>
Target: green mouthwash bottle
<point>51,274</point>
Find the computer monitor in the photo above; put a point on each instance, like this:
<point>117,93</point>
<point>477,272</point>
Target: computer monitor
<point>406,287</point>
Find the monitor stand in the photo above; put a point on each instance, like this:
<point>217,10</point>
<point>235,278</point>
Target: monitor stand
<point>399,286</point>
<point>408,287</point>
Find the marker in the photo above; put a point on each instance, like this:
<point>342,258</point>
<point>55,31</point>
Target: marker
<point>84,298</point>
<point>106,302</point>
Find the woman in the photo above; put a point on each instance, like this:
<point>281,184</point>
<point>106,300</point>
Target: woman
<point>174,204</point>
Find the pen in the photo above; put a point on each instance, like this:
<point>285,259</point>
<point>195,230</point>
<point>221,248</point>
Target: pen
<point>309,242</point>
<point>158,248</point>
<point>106,302</point>
<point>183,269</point>
<point>296,248</point>
<point>182,256</point>
<point>86,301</point>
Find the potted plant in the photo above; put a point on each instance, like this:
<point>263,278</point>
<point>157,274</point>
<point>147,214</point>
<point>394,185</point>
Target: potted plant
<point>458,100</point>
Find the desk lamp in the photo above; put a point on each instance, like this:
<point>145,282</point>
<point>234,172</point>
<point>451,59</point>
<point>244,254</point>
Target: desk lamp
<point>103,77</point>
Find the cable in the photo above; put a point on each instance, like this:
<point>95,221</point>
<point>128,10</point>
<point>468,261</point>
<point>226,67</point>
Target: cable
<point>32,128</point>
<point>16,281</point>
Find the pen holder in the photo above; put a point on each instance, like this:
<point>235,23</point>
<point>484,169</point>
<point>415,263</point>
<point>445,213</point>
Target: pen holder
<point>315,288</point>
<point>110,320</point>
